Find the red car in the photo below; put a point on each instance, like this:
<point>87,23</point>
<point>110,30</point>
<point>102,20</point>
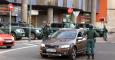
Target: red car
<point>6,40</point>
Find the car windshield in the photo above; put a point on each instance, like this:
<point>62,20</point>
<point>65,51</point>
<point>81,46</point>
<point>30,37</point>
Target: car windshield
<point>64,34</point>
<point>57,25</point>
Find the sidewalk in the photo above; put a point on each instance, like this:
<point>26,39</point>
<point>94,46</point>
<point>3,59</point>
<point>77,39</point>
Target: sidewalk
<point>111,38</point>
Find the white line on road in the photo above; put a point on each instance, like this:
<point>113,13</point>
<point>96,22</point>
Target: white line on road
<point>17,49</point>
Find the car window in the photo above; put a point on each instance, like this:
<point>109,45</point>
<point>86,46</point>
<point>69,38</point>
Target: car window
<point>65,34</point>
<point>57,25</point>
<point>80,34</point>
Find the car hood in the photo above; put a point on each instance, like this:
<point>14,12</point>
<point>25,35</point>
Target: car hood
<point>5,36</point>
<point>54,41</point>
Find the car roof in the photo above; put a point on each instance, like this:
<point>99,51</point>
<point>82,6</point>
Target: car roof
<point>71,29</point>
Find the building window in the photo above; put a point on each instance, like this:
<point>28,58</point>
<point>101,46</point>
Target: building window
<point>69,3</point>
<point>60,3</point>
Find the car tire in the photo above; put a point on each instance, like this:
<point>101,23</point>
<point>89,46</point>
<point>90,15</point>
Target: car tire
<point>19,38</point>
<point>39,37</point>
<point>73,54</point>
<point>44,56</point>
<point>8,46</point>
<point>33,36</point>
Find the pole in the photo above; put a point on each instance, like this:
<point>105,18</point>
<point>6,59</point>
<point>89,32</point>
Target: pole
<point>93,12</point>
<point>30,8</point>
<point>24,10</point>
<point>10,22</point>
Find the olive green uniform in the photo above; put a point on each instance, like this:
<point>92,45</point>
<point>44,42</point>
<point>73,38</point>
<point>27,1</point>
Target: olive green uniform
<point>91,41</point>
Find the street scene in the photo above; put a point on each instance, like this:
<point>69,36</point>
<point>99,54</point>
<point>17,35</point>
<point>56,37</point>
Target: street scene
<point>30,51</point>
<point>57,30</point>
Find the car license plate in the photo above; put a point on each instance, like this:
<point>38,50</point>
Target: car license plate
<point>51,50</point>
<point>8,41</point>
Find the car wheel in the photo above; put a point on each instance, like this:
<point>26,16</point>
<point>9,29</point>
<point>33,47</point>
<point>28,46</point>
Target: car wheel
<point>40,37</point>
<point>44,56</point>
<point>73,54</point>
<point>33,36</point>
<point>19,38</point>
<point>8,46</point>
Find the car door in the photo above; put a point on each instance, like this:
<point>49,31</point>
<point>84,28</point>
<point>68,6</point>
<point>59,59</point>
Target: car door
<point>81,41</point>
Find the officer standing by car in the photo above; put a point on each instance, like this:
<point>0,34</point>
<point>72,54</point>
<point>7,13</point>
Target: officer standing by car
<point>46,30</point>
<point>91,34</point>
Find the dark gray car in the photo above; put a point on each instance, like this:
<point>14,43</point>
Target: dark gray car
<point>64,42</point>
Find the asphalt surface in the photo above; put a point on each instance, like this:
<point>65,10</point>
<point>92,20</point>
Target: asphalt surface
<point>24,50</point>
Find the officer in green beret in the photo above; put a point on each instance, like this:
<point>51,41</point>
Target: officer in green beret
<point>91,41</point>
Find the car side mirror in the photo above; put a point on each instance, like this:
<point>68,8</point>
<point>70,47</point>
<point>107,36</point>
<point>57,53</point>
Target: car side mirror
<point>79,38</point>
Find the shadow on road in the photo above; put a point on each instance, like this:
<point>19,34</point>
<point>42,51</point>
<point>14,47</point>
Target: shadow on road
<point>64,57</point>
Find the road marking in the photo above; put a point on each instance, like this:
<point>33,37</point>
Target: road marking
<point>18,49</point>
<point>29,44</point>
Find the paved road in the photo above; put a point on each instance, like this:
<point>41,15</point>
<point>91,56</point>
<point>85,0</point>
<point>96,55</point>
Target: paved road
<point>24,50</point>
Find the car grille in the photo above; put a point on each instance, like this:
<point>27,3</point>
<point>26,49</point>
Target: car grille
<point>6,43</point>
<point>7,39</point>
<point>51,46</point>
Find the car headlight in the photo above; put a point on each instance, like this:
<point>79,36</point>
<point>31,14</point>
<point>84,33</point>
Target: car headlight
<point>37,31</point>
<point>42,45</point>
<point>19,30</point>
<point>64,46</point>
<point>1,39</point>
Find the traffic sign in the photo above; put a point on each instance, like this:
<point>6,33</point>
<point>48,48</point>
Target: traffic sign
<point>70,10</point>
<point>11,7</point>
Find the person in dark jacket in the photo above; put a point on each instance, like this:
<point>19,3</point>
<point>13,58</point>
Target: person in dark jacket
<point>46,30</point>
<point>91,35</point>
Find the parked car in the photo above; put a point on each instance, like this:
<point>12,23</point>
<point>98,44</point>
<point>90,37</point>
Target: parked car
<point>35,32</point>
<point>16,31</point>
<point>86,27</point>
<point>64,42</point>
<point>56,26</point>
<point>6,39</point>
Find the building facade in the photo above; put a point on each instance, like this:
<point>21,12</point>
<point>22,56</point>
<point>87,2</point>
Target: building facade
<point>54,11</point>
<point>111,15</point>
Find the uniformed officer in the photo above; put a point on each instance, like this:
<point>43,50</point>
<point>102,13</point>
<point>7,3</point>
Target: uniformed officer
<point>46,32</point>
<point>91,41</point>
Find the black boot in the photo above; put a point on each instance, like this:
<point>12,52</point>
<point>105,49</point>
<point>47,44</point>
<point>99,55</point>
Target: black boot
<point>93,57</point>
<point>88,56</point>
